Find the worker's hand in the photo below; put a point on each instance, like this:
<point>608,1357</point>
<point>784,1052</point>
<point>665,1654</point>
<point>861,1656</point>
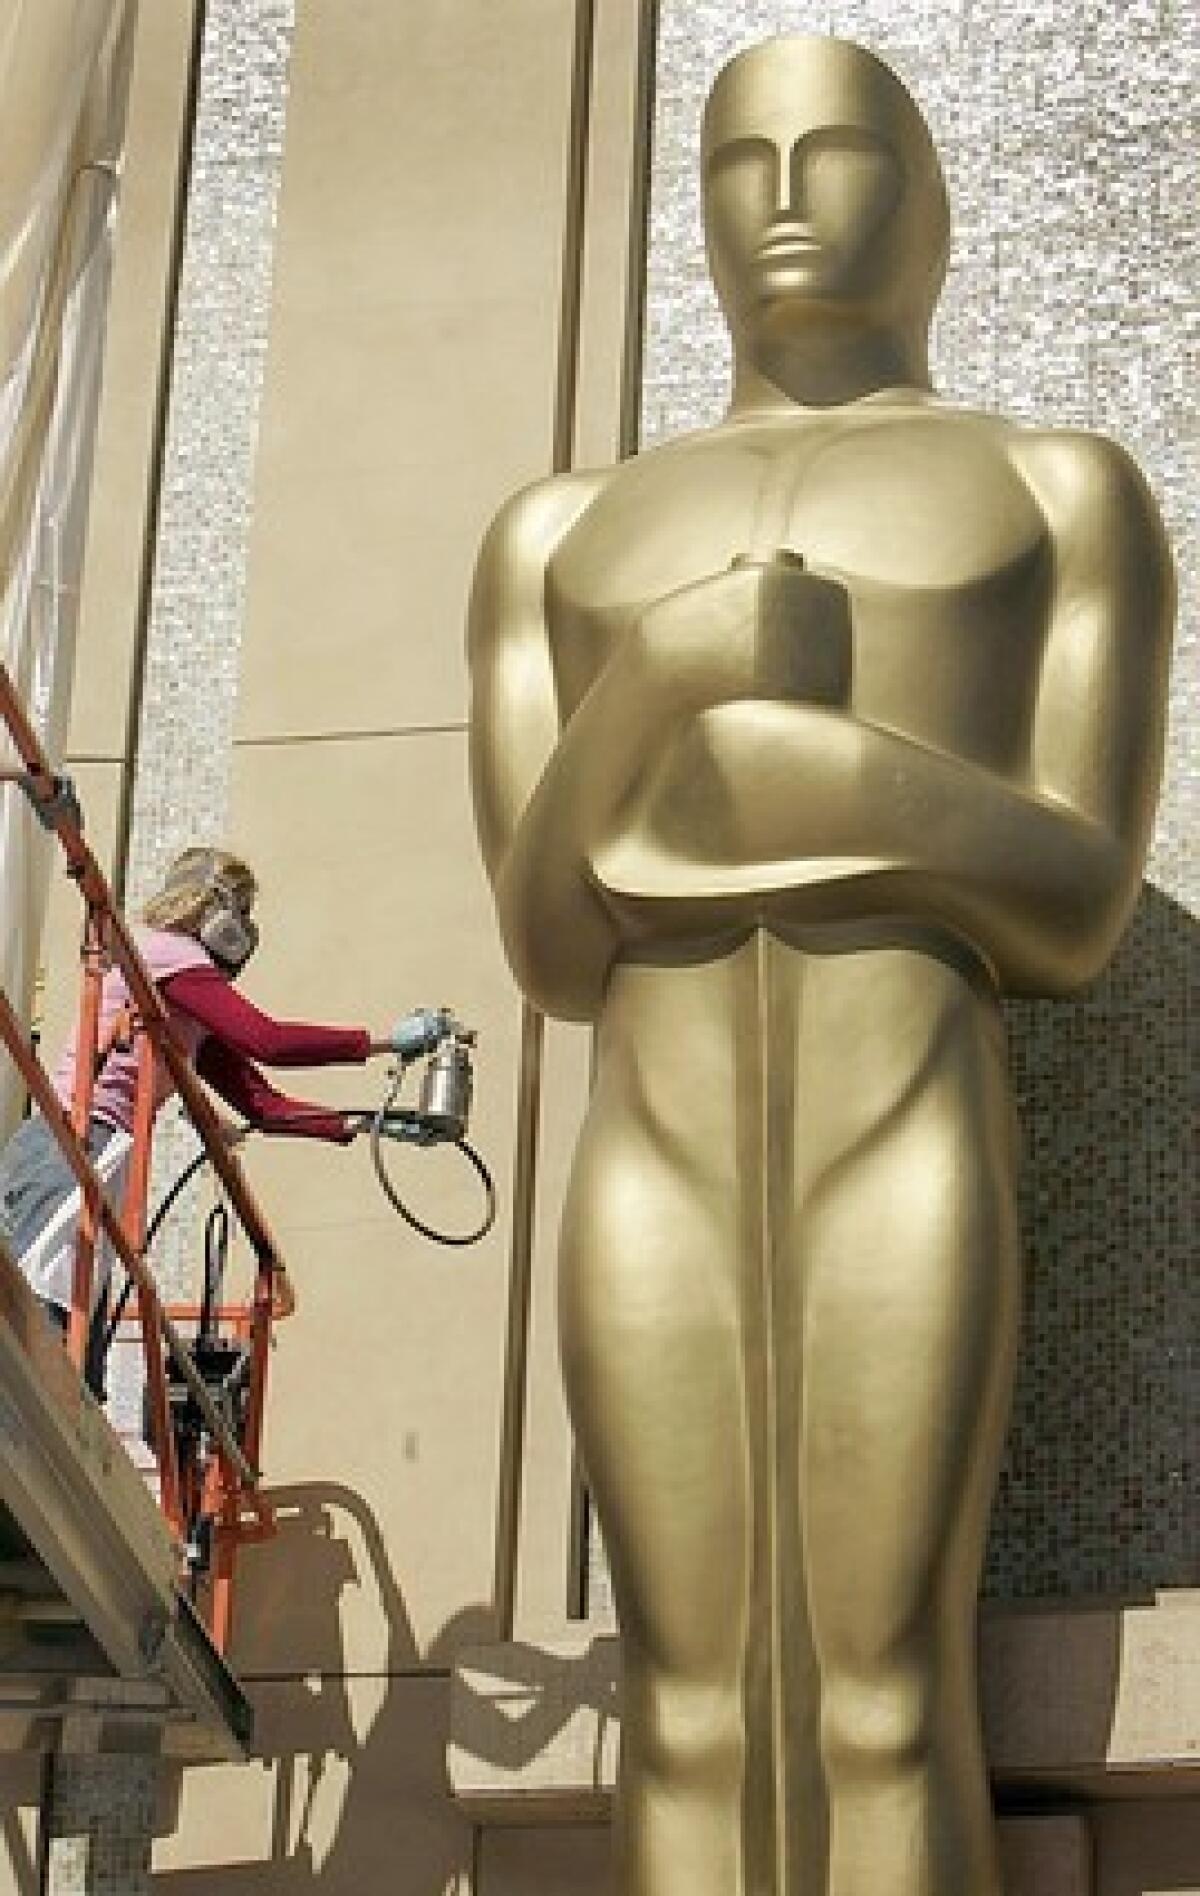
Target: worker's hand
<point>420,1032</point>
<point>409,1127</point>
<point>283,1295</point>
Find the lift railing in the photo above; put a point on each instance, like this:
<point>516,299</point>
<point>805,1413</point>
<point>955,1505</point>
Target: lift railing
<point>228,1500</point>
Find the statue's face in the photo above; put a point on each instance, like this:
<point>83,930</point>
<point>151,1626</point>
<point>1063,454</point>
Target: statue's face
<point>822,193</point>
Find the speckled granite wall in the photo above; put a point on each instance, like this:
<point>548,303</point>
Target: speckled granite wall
<point>191,666</point>
<point>190,672</point>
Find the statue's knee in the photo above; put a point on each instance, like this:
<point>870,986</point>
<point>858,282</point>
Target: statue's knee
<point>878,1721</point>
<point>686,1732</point>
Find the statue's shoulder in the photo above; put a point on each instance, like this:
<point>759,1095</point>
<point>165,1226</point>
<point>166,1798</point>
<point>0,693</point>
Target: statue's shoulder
<point>1078,457</point>
<point>508,590</point>
<point>1088,484</point>
<point>534,519</point>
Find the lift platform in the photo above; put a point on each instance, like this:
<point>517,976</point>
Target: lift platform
<point>116,1590</point>
<point>93,1615</point>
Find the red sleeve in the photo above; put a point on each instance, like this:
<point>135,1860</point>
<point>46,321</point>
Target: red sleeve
<point>243,1087</point>
<point>209,998</point>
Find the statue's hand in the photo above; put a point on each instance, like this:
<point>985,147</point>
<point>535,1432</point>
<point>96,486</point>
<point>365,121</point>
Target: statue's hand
<point>763,629</point>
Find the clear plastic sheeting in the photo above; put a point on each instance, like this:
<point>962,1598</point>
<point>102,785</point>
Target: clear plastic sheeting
<point>64,67</point>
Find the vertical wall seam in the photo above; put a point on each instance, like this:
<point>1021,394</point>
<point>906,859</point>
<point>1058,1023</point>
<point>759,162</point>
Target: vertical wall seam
<point>42,1841</point>
<point>565,401</point>
<point>583,1517</point>
<point>639,231</point>
<point>162,403</point>
<point>475,1872</point>
<point>529,1087</point>
<point>516,1352</point>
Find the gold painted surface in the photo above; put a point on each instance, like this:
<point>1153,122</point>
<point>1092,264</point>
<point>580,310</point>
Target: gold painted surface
<point>795,742</point>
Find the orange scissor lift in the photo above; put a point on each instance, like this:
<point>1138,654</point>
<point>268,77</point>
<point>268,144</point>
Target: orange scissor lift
<point>214,1485</point>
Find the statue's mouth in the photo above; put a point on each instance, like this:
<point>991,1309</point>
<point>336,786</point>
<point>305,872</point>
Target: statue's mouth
<point>793,244</point>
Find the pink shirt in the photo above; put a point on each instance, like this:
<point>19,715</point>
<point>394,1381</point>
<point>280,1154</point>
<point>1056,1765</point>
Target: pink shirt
<point>165,954</point>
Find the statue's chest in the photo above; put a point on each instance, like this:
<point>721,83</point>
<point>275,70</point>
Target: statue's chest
<point>923,518</point>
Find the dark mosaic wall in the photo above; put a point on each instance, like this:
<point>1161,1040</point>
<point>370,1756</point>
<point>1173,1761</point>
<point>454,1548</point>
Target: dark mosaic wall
<point>1098,1491</point>
<point>1068,137</point>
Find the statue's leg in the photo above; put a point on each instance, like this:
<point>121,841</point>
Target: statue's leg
<point>649,1314</point>
<point>908,1252</point>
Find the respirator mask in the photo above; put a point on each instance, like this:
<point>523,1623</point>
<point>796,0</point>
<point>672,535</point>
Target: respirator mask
<point>228,932</point>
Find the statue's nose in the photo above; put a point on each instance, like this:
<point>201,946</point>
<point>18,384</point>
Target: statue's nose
<point>790,194</point>
<point>785,181</point>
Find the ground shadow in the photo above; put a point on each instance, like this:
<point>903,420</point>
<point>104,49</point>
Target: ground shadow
<point>357,1794</point>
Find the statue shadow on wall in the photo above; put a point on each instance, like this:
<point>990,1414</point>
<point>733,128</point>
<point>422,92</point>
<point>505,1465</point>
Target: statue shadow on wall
<point>358,1788</point>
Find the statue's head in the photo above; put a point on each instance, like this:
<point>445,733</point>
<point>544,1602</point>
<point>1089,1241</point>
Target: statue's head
<point>823,195</point>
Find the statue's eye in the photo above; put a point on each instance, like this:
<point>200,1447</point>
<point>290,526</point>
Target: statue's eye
<point>744,177</point>
<point>844,176</point>
<point>747,150</point>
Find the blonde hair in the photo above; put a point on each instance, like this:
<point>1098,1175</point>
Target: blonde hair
<point>188,888</point>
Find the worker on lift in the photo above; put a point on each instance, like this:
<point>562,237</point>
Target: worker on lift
<point>197,935</point>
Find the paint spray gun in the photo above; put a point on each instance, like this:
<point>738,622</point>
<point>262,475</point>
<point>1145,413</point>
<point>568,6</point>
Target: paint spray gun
<point>442,1112</point>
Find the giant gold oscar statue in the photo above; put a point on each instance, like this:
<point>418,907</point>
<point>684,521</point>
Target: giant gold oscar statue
<point>796,742</point>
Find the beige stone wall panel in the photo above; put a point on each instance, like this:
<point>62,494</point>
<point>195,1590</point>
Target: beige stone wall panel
<point>415,325</point>
<point>387,1382</point>
<point>412,382</point>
